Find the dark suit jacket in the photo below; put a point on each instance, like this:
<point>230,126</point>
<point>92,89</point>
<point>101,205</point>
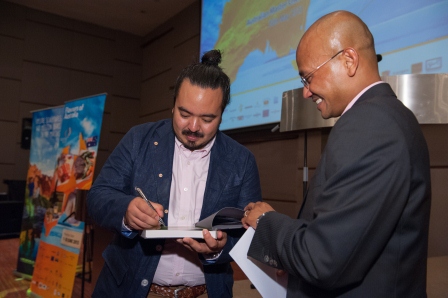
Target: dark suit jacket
<point>363,230</point>
<point>144,158</point>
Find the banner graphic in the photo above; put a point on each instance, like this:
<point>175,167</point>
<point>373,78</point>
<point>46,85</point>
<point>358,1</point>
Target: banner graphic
<point>39,192</point>
<point>57,259</point>
<point>62,235</point>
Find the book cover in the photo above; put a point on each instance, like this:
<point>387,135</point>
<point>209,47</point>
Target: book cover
<point>226,218</point>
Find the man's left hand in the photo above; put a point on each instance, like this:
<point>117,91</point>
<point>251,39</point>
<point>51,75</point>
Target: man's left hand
<point>210,244</point>
<point>253,211</point>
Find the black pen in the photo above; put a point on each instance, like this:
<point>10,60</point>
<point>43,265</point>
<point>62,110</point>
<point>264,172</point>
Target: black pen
<point>162,224</point>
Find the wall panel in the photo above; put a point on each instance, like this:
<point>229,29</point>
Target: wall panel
<point>277,163</point>
<point>94,30</point>
<point>157,93</point>
<point>45,84</point>
<point>92,54</point>
<point>438,241</point>
<point>126,79</point>
<point>186,53</point>
<point>9,99</point>
<point>12,20</point>
<point>123,113</point>
<point>36,16</point>
<point>159,56</point>
<point>436,136</point>
<point>11,57</point>
<point>128,47</point>
<point>8,131</point>
<point>105,135</point>
<point>21,163</point>
<point>84,84</point>
<point>187,23</point>
<point>48,45</point>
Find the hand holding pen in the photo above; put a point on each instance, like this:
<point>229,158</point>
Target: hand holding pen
<point>140,192</point>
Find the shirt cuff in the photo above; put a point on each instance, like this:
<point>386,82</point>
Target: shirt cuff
<point>125,230</point>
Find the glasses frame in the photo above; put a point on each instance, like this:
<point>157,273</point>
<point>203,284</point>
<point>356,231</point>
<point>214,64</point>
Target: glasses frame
<point>305,78</point>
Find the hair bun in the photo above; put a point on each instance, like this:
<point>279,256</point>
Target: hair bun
<point>212,58</point>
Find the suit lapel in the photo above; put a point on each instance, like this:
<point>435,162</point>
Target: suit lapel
<point>163,151</point>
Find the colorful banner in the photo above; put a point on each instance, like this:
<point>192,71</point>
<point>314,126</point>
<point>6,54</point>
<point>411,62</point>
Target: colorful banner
<point>39,193</point>
<point>78,143</point>
<point>57,258</point>
<point>61,238</point>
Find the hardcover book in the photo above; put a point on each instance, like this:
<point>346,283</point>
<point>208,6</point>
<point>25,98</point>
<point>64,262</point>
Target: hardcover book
<point>226,218</point>
<point>175,232</point>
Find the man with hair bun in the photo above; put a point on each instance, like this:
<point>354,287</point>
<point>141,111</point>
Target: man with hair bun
<point>363,228</point>
<point>189,170</point>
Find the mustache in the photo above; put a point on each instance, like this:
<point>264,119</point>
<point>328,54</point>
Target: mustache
<point>188,132</point>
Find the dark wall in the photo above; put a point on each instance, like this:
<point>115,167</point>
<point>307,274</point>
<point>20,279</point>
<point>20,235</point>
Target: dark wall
<point>46,60</point>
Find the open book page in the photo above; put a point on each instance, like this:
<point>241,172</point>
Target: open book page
<point>176,232</point>
<point>226,218</point>
<point>263,277</point>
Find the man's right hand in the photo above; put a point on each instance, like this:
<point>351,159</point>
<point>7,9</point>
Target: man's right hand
<point>139,216</point>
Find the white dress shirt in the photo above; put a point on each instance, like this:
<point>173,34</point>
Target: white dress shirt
<point>178,265</point>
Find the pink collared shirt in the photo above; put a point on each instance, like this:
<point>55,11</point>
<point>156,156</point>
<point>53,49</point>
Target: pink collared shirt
<point>178,265</point>
<point>351,103</point>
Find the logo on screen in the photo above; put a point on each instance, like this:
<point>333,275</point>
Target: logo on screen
<point>433,64</point>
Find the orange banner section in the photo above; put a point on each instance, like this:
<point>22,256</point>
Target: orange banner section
<point>54,271</point>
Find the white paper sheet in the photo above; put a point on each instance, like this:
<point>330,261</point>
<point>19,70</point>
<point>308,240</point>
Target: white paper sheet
<point>263,277</point>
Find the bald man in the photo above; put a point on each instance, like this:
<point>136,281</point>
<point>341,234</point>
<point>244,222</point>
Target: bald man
<point>363,228</point>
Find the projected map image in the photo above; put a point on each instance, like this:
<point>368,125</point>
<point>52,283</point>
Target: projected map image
<point>258,40</point>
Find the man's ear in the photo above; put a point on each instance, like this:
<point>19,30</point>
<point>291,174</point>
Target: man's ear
<point>351,61</point>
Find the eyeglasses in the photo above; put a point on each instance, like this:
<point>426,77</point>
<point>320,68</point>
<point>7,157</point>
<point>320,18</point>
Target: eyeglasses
<point>305,78</point>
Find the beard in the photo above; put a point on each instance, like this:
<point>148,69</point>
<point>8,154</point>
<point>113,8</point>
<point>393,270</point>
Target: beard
<point>193,145</point>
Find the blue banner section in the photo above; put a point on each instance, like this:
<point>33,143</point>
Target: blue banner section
<point>46,127</point>
<point>78,144</point>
